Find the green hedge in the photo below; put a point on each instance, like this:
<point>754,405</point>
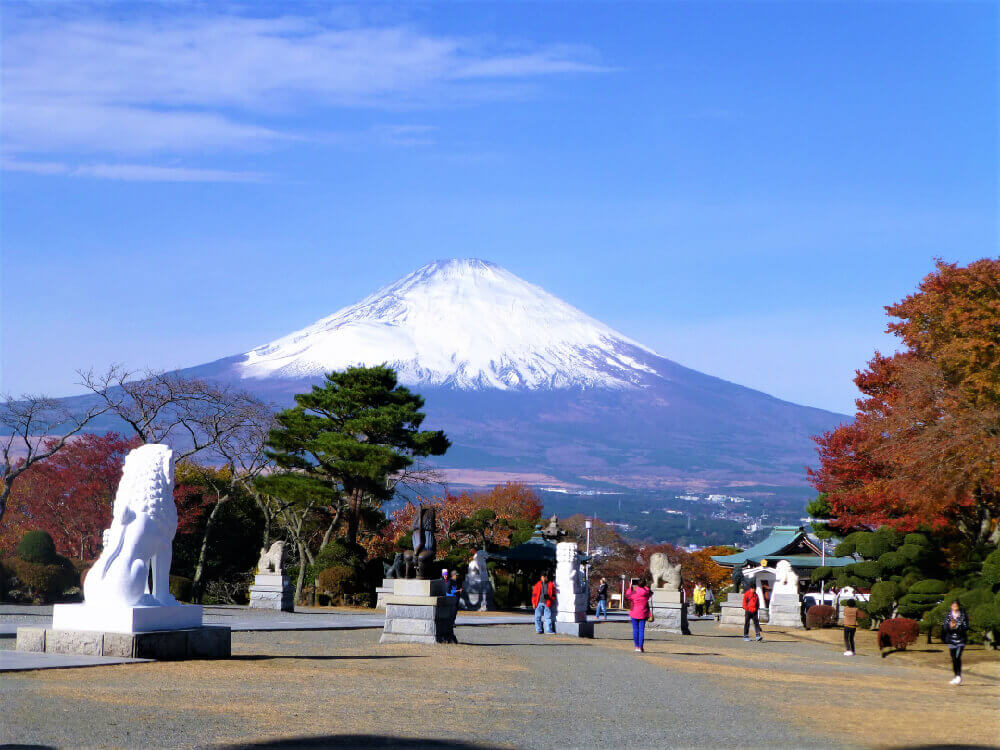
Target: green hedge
<point>929,586</point>
<point>991,569</point>
<point>37,547</point>
<point>45,582</point>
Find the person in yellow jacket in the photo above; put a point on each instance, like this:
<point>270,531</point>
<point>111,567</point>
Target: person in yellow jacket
<point>699,600</point>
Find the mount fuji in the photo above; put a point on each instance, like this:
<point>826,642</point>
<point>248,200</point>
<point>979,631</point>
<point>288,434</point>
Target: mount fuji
<point>527,386</point>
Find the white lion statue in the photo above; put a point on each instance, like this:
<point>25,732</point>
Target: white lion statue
<point>271,559</point>
<point>141,536</point>
<point>664,575</point>
<point>786,581</point>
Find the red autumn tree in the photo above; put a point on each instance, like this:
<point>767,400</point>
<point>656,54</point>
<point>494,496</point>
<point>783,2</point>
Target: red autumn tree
<point>924,448</point>
<point>70,495</point>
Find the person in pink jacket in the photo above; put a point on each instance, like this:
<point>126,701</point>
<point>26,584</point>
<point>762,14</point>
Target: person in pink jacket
<point>638,597</point>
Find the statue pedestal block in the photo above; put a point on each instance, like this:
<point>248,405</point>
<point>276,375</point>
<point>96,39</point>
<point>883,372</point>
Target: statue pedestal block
<point>417,587</point>
<point>669,612</point>
<point>419,619</point>
<point>580,629</point>
<point>205,642</point>
<point>785,611</point>
<point>272,591</point>
<point>125,619</point>
<point>732,611</point>
<point>383,591</point>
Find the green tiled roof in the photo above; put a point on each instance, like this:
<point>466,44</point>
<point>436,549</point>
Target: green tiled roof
<point>782,538</point>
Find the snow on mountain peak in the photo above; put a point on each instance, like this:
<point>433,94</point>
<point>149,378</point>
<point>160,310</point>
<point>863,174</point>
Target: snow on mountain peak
<point>467,324</point>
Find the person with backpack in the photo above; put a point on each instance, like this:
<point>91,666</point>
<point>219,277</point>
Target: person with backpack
<point>602,600</point>
<point>638,596</point>
<point>850,625</point>
<point>699,600</point>
<point>751,605</point>
<point>543,596</point>
<point>955,631</point>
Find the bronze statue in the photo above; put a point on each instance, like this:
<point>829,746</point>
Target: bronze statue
<point>418,563</point>
<point>397,569</point>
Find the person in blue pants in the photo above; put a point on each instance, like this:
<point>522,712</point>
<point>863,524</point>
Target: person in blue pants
<point>602,600</point>
<point>543,596</point>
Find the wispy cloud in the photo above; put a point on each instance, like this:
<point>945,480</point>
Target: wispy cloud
<point>185,84</point>
<point>131,172</point>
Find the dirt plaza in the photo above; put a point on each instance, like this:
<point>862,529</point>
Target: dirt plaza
<point>505,686</point>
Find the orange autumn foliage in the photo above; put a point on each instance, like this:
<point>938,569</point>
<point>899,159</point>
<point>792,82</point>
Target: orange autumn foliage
<point>923,450</point>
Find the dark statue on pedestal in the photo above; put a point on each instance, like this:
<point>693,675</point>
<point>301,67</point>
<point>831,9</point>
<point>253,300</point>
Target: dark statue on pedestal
<point>739,577</point>
<point>397,569</point>
<point>419,562</point>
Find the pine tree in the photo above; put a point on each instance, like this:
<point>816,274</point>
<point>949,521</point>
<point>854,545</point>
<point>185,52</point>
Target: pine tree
<point>348,437</point>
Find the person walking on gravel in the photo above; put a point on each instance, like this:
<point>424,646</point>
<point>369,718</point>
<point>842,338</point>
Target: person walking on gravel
<point>638,596</point>
<point>543,596</point>
<point>602,600</point>
<point>699,600</point>
<point>850,626</point>
<point>751,605</point>
<point>955,630</point>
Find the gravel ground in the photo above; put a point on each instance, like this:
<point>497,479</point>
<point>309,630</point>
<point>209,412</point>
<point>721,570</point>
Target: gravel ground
<point>502,686</point>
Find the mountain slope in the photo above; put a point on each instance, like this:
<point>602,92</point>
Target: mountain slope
<point>526,384</point>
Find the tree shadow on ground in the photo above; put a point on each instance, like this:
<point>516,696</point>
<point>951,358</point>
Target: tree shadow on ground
<point>356,740</point>
<point>319,657</point>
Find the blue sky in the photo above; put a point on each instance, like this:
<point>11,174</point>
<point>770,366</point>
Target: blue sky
<point>741,186</point>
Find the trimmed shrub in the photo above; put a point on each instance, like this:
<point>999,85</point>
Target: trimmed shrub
<point>870,569</point>
<point>821,616</point>
<point>845,578</point>
<point>180,588</point>
<point>336,582</point>
<point>986,619</point>
<point>898,633</point>
<point>991,568</point>
<point>918,539</point>
<point>37,547</point>
<point>892,561</point>
<point>914,605</point>
<point>972,599</point>
<point>876,544</point>
<point>849,545</point>
<point>45,582</point>
<point>883,599</point>
<point>824,573</point>
<point>929,586</point>
<point>912,552</point>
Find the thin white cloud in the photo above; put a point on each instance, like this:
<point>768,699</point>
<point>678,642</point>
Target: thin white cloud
<point>131,172</point>
<point>183,84</point>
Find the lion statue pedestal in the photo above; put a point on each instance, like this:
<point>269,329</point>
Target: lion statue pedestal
<point>571,594</point>
<point>785,608</point>
<point>668,605</point>
<point>128,609</point>
<point>271,589</point>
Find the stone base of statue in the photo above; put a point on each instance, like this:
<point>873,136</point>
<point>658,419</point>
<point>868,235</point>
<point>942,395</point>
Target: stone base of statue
<point>125,619</point>
<point>574,623</point>
<point>785,611</point>
<point>732,611</point>
<point>383,591</point>
<point>419,612</point>
<point>272,591</point>
<point>204,642</point>
<point>669,612</point>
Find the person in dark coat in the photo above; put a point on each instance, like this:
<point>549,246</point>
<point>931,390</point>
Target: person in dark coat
<point>955,630</point>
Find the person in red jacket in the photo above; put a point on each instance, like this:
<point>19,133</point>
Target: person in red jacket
<point>751,603</point>
<point>543,596</point>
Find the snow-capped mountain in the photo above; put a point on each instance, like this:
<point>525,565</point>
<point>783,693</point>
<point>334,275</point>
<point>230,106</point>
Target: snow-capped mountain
<point>466,324</point>
<point>527,386</point>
